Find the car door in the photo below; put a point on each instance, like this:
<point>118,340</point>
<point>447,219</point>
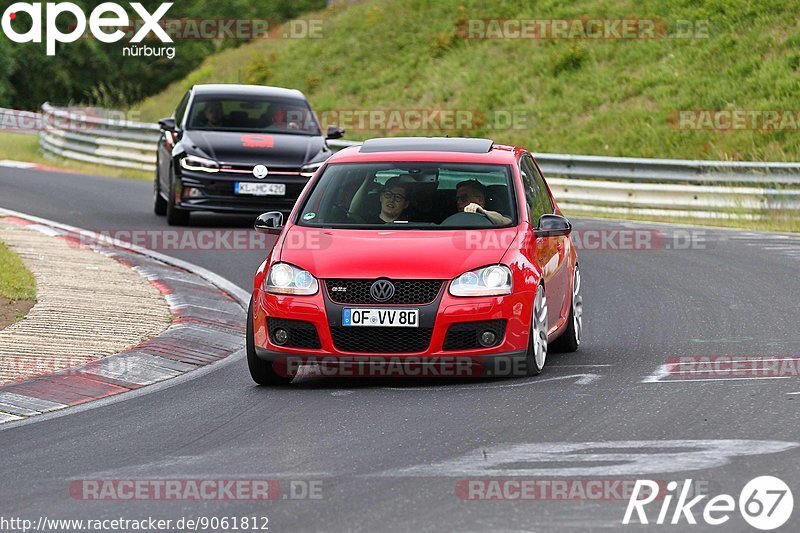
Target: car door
<point>545,252</point>
<point>561,278</point>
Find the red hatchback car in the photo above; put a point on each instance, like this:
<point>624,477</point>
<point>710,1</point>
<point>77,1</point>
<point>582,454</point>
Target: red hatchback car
<point>431,256</point>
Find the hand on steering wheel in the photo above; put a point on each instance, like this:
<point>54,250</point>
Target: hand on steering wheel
<point>473,208</point>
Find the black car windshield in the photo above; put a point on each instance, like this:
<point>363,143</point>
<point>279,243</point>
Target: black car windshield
<point>411,196</point>
<point>257,114</point>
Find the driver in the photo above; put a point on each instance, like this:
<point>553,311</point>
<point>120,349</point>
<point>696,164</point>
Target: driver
<point>212,115</point>
<point>471,197</point>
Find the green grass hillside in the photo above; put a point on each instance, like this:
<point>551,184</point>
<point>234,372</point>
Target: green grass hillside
<point>606,97</point>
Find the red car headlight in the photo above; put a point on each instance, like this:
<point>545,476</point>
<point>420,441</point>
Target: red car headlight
<point>284,278</point>
<point>493,280</point>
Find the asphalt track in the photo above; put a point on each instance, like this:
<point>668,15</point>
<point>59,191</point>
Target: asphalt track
<point>389,454</point>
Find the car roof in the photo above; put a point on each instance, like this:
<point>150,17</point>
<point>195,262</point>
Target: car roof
<point>248,90</point>
<point>422,149</point>
<point>427,144</point>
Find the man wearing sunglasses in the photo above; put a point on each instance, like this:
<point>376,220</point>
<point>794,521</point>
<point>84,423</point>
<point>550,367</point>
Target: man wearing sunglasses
<point>471,197</point>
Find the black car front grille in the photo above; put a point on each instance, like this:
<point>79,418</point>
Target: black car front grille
<point>465,335</point>
<point>406,291</point>
<point>381,340</point>
<point>301,334</point>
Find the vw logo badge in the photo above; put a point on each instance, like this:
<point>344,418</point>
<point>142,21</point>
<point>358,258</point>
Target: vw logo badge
<point>382,290</point>
<point>260,171</point>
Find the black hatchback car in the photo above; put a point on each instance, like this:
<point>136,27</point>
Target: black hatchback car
<point>237,149</point>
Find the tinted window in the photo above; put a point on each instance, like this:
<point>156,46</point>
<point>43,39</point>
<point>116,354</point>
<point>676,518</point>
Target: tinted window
<point>547,202</point>
<point>532,195</point>
<point>181,109</point>
<point>258,114</point>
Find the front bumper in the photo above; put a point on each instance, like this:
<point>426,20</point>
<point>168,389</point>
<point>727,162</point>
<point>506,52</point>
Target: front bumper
<point>504,358</point>
<point>218,193</point>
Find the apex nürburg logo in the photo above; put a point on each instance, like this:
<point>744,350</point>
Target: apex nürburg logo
<point>102,22</point>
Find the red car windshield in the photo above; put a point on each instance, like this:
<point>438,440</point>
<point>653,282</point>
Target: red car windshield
<point>411,196</point>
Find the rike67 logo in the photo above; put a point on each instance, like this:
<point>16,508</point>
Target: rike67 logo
<point>766,503</point>
<point>104,23</point>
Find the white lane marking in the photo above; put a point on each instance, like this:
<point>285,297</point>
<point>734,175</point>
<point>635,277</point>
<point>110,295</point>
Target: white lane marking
<point>737,360</point>
<point>605,458</point>
<point>720,379</point>
<point>45,229</point>
<point>669,369</point>
<point>657,377</point>
<point>583,379</point>
<point>16,164</point>
<point>577,366</point>
<point>8,417</point>
<point>793,393</point>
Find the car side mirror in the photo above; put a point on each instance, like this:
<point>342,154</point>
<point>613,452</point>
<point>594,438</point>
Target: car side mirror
<point>270,223</point>
<point>167,124</point>
<point>335,132</point>
<point>553,226</point>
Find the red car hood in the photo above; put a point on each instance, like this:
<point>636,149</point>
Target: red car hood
<point>410,254</point>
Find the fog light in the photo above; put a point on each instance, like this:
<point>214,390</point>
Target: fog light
<point>487,339</point>
<point>280,336</point>
<point>192,192</point>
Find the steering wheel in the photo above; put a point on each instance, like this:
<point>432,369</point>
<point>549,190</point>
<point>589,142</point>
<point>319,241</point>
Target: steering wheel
<point>478,220</point>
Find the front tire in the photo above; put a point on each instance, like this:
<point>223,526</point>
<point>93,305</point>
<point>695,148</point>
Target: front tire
<point>537,340</point>
<point>570,340</point>
<point>159,204</point>
<point>175,215</point>
<point>261,371</point>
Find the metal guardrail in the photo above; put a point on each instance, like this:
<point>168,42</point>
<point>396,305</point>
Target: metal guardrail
<point>622,185</point>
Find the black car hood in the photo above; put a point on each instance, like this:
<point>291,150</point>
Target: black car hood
<point>251,148</point>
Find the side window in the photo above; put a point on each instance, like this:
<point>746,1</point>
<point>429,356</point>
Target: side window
<point>181,109</point>
<point>547,202</point>
<point>532,195</point>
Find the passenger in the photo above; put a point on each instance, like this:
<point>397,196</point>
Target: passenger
<point>394,201</point>
<point>471,198</point>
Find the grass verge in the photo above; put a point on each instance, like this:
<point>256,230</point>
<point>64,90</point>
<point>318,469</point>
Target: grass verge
<point>17,288</point>
<point>25,147</point>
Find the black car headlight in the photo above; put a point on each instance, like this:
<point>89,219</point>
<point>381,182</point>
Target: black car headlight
<point>199,164</point>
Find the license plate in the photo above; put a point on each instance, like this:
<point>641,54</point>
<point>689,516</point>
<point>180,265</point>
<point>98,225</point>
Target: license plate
<point>260,189</point>
<point>396,318</point>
